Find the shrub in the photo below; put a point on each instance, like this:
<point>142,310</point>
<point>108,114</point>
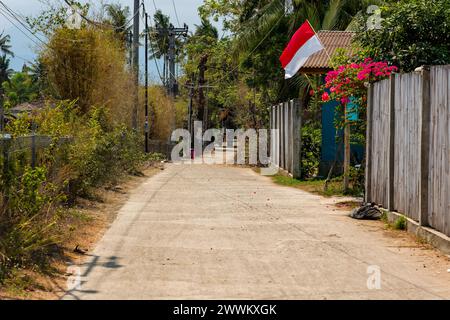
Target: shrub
<point>413,33</point>
<point>28,219</point>
<point>90,68</point>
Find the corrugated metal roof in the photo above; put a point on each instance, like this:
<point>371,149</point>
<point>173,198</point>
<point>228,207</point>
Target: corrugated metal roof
<point>332,40</point>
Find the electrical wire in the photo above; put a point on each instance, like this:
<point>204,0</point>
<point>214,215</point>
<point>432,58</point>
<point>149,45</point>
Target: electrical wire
<point>254,49</point>
<point>176,13</point>
<point>18,28</point>
<point>153,53</point>
<point>16,17</point>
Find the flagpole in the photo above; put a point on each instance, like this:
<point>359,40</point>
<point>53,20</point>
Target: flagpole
<point>325,48</point>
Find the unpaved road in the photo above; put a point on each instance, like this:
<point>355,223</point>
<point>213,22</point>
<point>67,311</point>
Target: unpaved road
<point>209,232</point>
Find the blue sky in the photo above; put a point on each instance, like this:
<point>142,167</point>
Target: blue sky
<point>25,49</point>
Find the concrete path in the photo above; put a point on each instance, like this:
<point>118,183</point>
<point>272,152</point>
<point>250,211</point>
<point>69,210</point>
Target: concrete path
<point>210,232</point>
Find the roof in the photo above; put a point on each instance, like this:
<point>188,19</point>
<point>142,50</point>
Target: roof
<point>332,40</point>
<point>25,108</point>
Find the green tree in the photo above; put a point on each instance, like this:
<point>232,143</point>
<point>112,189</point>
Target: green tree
<point>5,71</point>
<point>118,18</point>
<point>413,33</point>
<point>5,47</point>
<point>160,40</point>
<point>20,89</point>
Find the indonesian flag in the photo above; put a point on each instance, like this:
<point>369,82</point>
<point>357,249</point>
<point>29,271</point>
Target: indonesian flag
<point>303,44</point>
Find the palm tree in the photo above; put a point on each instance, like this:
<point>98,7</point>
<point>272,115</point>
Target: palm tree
<point>160,40</point>
<point>260,18</point>
<point>118,18</point>
<point>5,47</point>
<point>206,29</point>
<point>5,71</point>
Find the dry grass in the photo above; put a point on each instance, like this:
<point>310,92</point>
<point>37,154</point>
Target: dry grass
<point>88,222</point>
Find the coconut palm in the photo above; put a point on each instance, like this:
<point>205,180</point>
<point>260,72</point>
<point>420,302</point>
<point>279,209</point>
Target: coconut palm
<point>206,29</point>
<point>160,40</point>
<point>263,17</point>
<point>118,18</point>
<point>5,71</point>
<point>5,47</point>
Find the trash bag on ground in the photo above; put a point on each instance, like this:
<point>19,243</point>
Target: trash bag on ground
<point>367,212</point>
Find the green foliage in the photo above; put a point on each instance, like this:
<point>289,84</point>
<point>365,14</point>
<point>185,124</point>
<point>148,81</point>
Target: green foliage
<point>250,77</point>
<point>54,17</point>
<point>102,157</point>
<point>5,71</point>
<point>27,222</point>
<point>20,126</point>
<point>5,47</point>
<point>413,33</point>
<point>401,223</point>
<point>311,150</point>
<point>21,88</point>
<point>118,18</point>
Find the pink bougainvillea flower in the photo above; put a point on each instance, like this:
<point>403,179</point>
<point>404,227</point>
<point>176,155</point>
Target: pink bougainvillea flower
<point>362,75</point>
<point>345,100</point>
<point>325,97</point>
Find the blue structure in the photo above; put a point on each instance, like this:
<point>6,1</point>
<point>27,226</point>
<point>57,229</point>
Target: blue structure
<point>333,143</point>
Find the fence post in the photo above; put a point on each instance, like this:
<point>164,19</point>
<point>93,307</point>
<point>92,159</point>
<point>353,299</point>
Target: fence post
<point>425,146</point>
<point>368,182</point>
<point>33,146</point>
<point>297,145</point>
<point>391,175</point>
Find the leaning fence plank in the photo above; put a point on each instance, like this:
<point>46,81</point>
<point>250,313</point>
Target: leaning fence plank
<point>424,147</point>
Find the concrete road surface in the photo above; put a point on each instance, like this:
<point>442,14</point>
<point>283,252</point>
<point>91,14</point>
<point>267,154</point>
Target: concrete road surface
<point>216,232</point>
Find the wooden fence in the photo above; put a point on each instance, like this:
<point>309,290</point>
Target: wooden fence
<point>285,123</point>
<point>408,147</point>
<point>28,150</point>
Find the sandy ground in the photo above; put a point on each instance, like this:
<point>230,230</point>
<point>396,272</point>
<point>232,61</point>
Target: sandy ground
<point>208,232</point>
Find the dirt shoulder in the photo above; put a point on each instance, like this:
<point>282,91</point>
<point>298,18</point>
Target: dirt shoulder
<point>90,220</point>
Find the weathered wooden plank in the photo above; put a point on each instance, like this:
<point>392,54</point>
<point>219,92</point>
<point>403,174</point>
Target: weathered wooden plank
<point>297,141</point>
<point>369,133</point>
<point>425,148</point>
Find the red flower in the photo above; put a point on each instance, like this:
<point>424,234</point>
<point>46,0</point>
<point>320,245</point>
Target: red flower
<point>325,97</point>
<point>311,92</point>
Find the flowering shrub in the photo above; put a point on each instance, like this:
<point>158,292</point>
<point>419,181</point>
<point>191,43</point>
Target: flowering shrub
<point>349,82</point>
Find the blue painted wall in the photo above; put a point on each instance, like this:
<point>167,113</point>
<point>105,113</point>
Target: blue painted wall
<point>332,143</point>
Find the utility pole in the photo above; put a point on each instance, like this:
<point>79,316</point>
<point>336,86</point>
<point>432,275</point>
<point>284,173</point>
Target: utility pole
<point>136,62</point>
<point>172,80</point>
<point>201,85</point>
<point>172,33</point>
<point>190,109</point>
<point>147,126</point>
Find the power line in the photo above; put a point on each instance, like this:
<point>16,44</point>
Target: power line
<point>18,28</point>
<point>154,5</point>
<point>15,17</point>
<point>254,49</point>
<point>154,56</point>
<point>176,13</point>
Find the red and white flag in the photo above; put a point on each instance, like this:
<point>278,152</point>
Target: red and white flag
<point>303,44</point>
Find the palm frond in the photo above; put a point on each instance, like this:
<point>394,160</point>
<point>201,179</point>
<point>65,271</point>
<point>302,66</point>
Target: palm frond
<point>257,27</point>
<point>331,19</point>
